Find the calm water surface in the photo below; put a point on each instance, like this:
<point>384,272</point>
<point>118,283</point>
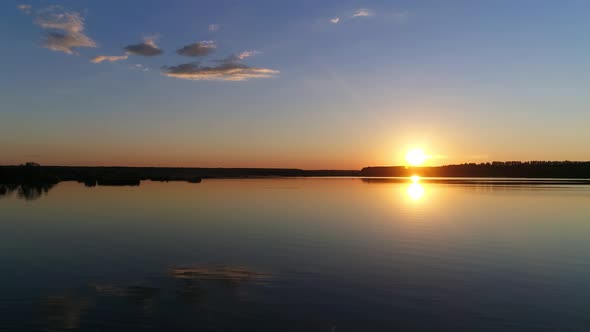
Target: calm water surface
<point>297,255</point>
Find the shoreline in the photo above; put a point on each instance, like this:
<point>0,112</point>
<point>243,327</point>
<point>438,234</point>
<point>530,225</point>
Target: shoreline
<point>488,173</point>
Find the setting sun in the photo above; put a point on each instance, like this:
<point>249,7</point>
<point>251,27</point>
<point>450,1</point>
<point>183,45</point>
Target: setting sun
<point>415,157</point>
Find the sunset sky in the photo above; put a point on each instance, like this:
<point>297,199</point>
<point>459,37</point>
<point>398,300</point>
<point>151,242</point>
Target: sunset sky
<point>306,84</point>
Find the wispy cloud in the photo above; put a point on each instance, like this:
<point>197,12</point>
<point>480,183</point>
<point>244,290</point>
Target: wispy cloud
<point>25,8</point>
<point>139,66</point>
<point>229,69</point>
<point>223,72</point>
<point>247,54</point>
<point>237,58</point>
<point>147,48</point>
<point>66,30</point>
<point>214,27</point>
<point>108,58</point>
<point>198,49</point>
<point>393,15</point>
<point>55,17</point>
<point>362,13</point>
<point>67,42</point>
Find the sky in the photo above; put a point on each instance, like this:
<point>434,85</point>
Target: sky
<point>302,84</point>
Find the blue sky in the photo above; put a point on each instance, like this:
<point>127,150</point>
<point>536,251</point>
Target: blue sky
<point>313,84</point>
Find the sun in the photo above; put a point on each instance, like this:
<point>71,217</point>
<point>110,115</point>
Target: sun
<point>415,157</point>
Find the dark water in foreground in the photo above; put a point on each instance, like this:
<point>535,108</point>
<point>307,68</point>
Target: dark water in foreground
<point>297,255</point>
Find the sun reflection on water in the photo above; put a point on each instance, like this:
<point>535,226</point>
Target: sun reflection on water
<point>415,189</point>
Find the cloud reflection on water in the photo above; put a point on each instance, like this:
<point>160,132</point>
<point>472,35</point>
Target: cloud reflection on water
<point>209,287</point>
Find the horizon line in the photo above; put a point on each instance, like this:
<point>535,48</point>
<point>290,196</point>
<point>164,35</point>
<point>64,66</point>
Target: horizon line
<point>491,163</point>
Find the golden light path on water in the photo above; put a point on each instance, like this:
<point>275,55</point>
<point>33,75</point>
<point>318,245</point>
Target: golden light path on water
<point>415,189</point>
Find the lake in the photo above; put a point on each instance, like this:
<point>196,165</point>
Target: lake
<point>297,254</point>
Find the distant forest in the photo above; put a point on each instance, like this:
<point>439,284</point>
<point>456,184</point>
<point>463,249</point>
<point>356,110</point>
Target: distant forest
<point>32,173</point>
<point>30,181</point>
<point>508,169</point>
